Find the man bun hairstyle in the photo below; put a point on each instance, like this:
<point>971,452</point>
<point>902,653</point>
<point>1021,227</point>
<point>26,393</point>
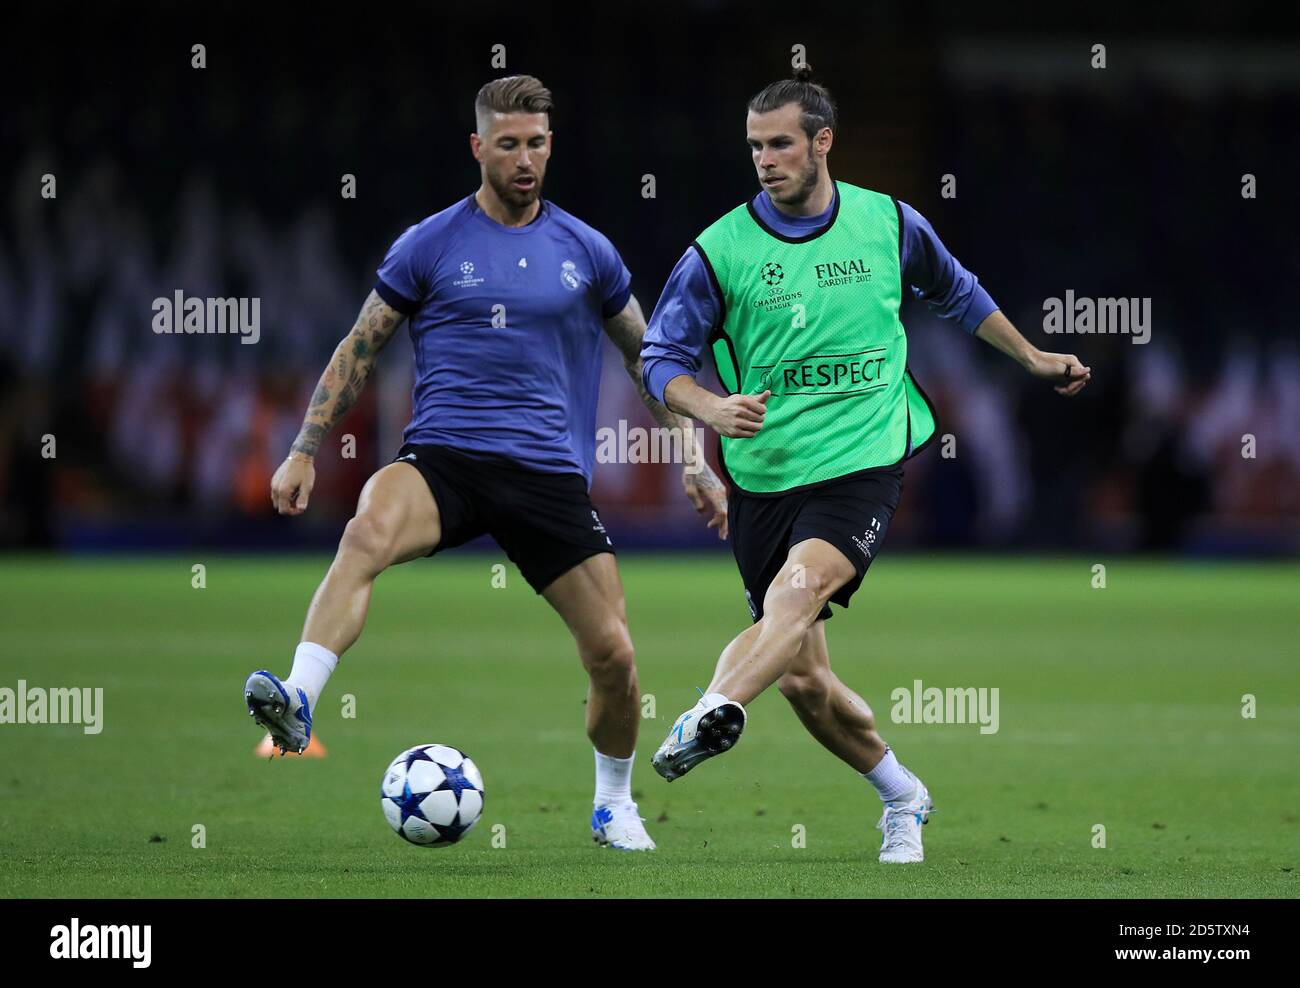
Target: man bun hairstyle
<point>816,105</point>
<point>511,94</point>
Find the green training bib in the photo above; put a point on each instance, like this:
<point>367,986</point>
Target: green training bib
<point>815,320</point>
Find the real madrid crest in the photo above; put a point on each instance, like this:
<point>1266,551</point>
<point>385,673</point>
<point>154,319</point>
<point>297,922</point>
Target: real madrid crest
<point>569,276</point>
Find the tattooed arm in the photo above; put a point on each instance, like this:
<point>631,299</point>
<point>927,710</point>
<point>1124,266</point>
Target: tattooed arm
<point>336,393</point>
<point>699,481</point>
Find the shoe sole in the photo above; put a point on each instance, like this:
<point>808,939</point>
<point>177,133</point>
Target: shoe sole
<point>268,706</point>
<point>603,842</point>
<point>718,731</point>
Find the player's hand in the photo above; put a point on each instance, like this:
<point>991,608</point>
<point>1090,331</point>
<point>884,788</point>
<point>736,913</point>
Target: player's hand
<point>738,416</point>
<point>1064,368</point>
<point>291,486</point>
<point>708,495</point>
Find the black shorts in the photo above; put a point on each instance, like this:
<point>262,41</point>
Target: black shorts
<point>852,514</point>
<point>545,522</point>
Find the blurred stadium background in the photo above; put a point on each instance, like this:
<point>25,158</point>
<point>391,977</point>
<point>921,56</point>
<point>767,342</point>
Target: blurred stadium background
<point>225,181</point>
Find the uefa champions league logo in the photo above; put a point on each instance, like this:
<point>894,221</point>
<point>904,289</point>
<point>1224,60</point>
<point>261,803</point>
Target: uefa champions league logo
<point>868,540</point>
<point>599,526</point>
<point>569,276</point>
<point>772,274</point>
<point>467,279</point>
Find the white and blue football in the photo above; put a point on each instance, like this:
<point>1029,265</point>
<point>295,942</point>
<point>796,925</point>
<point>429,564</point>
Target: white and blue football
<point>432,795</point>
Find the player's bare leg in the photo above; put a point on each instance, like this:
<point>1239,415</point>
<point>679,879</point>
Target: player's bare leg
<point>396,520</point>
<point>844,724</point>
<point>762,654</point>
<point>756,658</point>
<point>590,599</point>
<point>833,714</point>
<point>787,645</point>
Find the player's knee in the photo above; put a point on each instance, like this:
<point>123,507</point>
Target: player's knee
<point>797,594</point>
<point>608,656</point>
<point>807,690</point>
<point>367,541</point>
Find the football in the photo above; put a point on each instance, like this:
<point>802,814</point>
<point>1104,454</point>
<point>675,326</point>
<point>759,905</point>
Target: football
<point>432,795</point>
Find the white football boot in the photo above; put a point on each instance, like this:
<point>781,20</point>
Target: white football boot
<point>281,708</point>
<point>901,824</point>
<point>709,728</point>
<point>621,826</point>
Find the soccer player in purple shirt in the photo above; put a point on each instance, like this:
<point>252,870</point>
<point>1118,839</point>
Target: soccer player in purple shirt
<point>506,296</point>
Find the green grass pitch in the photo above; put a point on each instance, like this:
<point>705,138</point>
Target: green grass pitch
<point>1120,707</point>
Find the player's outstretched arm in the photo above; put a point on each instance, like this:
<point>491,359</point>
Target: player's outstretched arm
<point>702,486</point>
<point>336,393</point>
<point>954,293</point>
<point>1064,368</point>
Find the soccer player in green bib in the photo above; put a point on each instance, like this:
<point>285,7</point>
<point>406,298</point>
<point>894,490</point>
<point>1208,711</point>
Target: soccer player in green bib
<point>795,295</point>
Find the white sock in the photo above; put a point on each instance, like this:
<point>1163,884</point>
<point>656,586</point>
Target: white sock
<point>613,779</point>
<point>891,780</point>
<point>312,665</point>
